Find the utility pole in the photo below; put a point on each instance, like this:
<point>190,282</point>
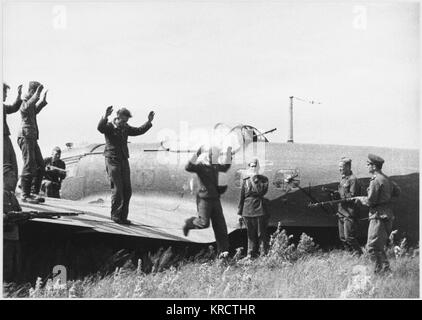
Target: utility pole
<point>290,139</point>
<point>291,120</point>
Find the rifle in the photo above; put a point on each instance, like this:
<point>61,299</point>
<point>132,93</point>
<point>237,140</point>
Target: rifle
<point>292,178</point>
<point>22,216</point>
<point>320,204</point>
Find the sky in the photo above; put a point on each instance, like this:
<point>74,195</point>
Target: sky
<point>204,62</point>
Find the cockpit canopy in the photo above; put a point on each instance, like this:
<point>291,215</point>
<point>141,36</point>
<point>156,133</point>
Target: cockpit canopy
<point>247,133</point>
<point>221,136</point>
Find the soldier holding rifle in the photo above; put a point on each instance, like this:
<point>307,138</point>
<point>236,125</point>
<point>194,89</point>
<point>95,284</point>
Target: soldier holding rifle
<point>380,193</point>
<point>348,211</point>
<point>13,216</point>
<point>12,248</point>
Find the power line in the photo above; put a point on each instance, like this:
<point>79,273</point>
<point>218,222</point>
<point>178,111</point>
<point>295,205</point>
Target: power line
<point>308,101</point>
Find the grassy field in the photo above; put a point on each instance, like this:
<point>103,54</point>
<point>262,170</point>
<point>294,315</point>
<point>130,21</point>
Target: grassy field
<point>288,271</point>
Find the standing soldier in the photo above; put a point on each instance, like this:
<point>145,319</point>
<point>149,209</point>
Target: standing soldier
<point>348,212</point>
<point>116,158</point>
<point>206,166</point>
<point>252,209</point>
<point>12,255</point>
<point>33,162</point>
<point>10,166</point>
<point>381,190</point>
<point>55,172</point>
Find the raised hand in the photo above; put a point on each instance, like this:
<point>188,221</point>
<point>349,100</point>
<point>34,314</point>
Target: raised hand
<point>19,90</point>
<point>109,111</point>
<point>151,116</point>
<point>39,89</point>
<point>200,150</point>
<point>45,96</point>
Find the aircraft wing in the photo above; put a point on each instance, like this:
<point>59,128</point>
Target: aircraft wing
<point>147,221</point>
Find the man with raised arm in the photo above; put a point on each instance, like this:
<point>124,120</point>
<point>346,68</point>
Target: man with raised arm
<point>206,166</point>
<point>116,155</point>
<point>33,162</point>
<point>10,165</point>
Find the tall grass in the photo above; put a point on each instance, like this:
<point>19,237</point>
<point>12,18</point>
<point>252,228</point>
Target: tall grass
<point>287,271</point>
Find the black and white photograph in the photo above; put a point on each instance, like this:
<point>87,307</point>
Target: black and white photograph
<point>211,150</point>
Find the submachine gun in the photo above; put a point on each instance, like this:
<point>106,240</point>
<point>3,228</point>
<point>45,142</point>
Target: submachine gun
<point>336,199</point>
<point>23,216</point>
<point>331,202</point>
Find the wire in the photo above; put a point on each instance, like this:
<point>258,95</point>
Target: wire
<point>308,101</point>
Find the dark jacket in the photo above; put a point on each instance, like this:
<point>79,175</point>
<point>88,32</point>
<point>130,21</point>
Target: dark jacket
<point>116,138</point>
<point>8,110</point>
<point>54,175</point>
<point>29,110</point>
<point>208,178</point>
<point>251,203</point>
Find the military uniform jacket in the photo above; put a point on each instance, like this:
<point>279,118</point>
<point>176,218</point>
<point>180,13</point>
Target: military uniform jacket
<point>251,203</point>
<point>10,203</point>
<point>8,109</point>
<point>348,187</point>
<point>208,178</point>
<point>381,190</point>
<point>54,175</point>
<point>29,110</point>
<point>116,138</point>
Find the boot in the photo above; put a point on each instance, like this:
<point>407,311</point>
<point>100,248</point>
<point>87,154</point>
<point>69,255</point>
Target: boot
<point>26,191</point>
<point>38,197</point>
<point>29,199</point>
<point>188,225</point>
<point>116,219</point>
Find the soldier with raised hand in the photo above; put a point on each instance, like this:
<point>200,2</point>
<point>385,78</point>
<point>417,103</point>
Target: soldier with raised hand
<point>116,155</point>
<point>33,162</point>
<point>10,165</point>
<point>348,212</point>
<point>380,193</point>
<point>205,165</point>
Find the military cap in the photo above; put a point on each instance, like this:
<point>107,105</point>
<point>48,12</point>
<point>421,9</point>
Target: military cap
<point>346,160</point>
<point>33,85</point>
<point>374,159</point>
<point>57,149</point>
<point>124,112</point>
<point>6,86</point>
